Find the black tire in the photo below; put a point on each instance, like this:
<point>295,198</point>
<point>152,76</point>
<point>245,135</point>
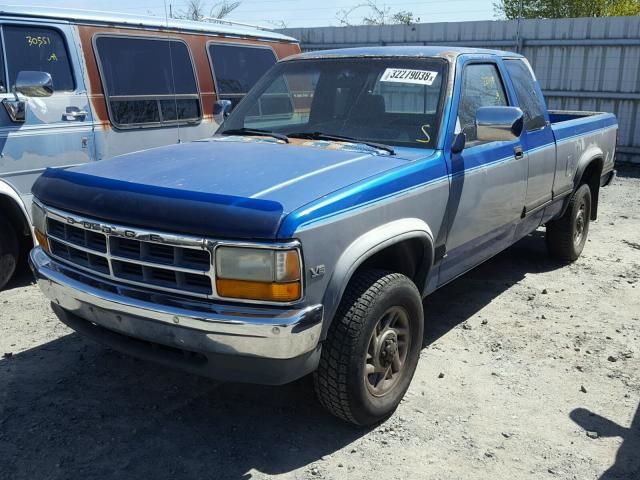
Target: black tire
<point>567,235</point>
<point>9,251</point>
<point>372,298</point>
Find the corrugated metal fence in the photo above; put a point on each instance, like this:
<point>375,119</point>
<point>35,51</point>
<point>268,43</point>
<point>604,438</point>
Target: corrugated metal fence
<point>582,64</point>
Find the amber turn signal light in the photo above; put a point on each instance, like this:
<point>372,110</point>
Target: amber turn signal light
<point>273,292</point>
<point>42,240</point>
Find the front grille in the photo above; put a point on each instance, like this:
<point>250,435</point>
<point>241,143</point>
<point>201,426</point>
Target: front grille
<point>178,268</point>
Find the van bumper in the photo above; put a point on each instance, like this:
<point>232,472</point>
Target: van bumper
<point>223,341</point>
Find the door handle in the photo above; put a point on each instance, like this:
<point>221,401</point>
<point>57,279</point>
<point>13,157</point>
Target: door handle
<point>518,152</point>
<point>16,109</point>
<point>74,113</point>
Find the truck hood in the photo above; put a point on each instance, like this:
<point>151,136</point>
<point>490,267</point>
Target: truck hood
<point>240,187</point>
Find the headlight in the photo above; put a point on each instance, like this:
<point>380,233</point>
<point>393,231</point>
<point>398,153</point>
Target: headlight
<point>258,274</point>
<point>39,226</point>
<point>37,217</point>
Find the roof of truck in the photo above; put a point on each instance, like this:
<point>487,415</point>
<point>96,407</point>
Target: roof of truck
<point>218,27</point>
<point>403,51</point>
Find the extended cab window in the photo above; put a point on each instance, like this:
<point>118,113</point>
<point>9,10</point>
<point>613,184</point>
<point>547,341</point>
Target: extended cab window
<point>38,49</point>
<point>481,87</point>
<point>237,68</point>
<point>526,91</point>
<point>148,82</point>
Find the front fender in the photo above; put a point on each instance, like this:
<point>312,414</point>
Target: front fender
<point>20,207</point>
<point>364,247</point>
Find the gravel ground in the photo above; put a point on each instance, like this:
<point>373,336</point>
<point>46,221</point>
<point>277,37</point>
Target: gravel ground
<point>530,370</point>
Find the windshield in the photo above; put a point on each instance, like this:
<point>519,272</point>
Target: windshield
<point>391,101</point>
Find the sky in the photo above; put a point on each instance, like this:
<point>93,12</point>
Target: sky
<point>293,13</point>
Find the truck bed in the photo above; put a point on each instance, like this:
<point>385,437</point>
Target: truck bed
<point>567,124</point>
<point>559,116</point>
<point>581,135</point>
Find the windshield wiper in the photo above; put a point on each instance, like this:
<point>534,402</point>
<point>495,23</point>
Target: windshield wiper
<point>257,132</point>
<point>340,138</point>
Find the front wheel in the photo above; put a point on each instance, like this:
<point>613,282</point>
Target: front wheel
<point>567,235</point>
<point>372,348</point>
<point>9,250</point>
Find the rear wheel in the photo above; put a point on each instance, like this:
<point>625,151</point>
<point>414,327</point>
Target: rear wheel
<point>372,348</point>
<point>567,235</point>
<point>9,250</point>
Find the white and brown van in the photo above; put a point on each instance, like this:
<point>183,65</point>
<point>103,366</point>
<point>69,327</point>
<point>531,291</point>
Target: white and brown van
<point>80,86</point>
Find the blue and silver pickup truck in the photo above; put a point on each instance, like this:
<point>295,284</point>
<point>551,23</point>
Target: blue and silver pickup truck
<point>303,236</point>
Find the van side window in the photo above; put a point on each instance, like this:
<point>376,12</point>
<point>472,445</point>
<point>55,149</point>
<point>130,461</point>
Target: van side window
<point>528,98</point>
<point>237,68</point>
<point>38,49</point>
<point>481,87</point>
<point>148,82</point>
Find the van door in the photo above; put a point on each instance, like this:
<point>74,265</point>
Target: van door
<point>36,131</point>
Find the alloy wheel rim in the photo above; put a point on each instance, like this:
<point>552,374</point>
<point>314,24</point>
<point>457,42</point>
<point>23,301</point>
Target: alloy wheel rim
<point>580,224</point>
<point>387,351</point>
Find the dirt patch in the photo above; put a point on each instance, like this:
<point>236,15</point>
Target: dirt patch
<point>531,369</point>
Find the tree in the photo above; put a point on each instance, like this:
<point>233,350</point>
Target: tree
<point>513,9</point>
<point>197,10</point>
<point>377,15</point>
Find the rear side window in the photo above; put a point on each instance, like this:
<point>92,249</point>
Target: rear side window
<point>481,87</point>
<point>148,82</point>
<point>38,49</point>
<point>237,68</point>
<point>527,94</point>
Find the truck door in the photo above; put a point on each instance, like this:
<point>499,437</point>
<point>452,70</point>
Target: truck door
<point>487,178</point>
<point>537,137</point>
<point>41,129</point>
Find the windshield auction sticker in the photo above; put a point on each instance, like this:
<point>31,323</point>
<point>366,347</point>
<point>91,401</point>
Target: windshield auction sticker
<point>407,75</point>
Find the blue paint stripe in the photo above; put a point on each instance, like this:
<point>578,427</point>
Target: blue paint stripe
<point>570,129</point>
<point>395,182</point>
<point>422,174</point>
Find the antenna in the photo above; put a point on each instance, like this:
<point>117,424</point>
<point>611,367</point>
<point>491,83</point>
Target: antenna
<point>518,27</point>
<point>173,76</point>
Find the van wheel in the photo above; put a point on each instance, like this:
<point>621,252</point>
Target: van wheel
<point>567,235</point>
<point>9,250</point>
<point>372,348</point>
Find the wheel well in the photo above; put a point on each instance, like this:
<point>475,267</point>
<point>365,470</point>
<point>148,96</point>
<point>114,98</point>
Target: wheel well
<point>591,176</point>
<point>409,257</point>
<point>13,213</point>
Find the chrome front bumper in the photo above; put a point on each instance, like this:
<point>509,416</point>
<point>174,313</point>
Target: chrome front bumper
<point>187,324</point>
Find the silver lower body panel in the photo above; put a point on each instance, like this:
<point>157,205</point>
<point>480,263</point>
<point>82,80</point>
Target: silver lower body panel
<point>244,343</point>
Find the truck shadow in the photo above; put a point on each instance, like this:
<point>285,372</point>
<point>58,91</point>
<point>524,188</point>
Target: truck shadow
<point>464,297</point>
<point>73,409</point>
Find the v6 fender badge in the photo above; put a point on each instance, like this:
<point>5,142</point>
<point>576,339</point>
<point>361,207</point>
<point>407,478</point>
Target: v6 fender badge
<point>317,271</point>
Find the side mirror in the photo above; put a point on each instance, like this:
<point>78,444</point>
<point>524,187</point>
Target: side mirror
<point>458,143</point>
<point>34,84</point>
<point>499,124</point>
<point>221,110</point>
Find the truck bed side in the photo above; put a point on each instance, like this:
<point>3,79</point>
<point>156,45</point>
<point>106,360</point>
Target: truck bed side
<point>581,137</point>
